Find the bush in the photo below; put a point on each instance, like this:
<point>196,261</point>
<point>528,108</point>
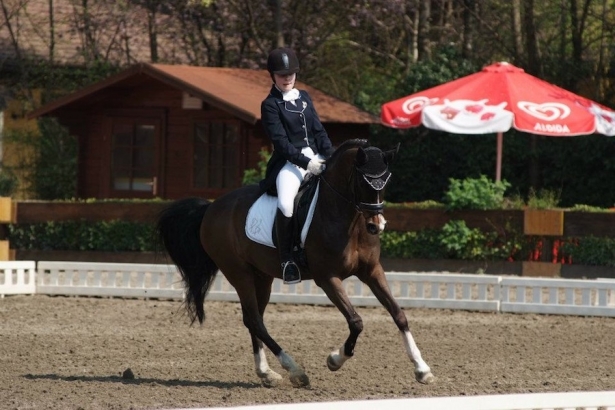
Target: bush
<point>55,172</point>
<point>8,182</point>
<point>481,193</point>
<point>255,175</point>
<point>590,251</point>
<point>114,236</point>
<point>454,241</point>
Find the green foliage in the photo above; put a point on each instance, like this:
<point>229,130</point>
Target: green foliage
<point>8,182</point>
<point>55,172</point>
<point>475,193</point>
<point>587,208</point>
<point>83,235</point>
<point>543,199</point>
<point>46,161</point>
<point>56,79</point>
<point>454,241</point>
<point>590,251</point>
<point>417,205</point>
<point>446,65</point>
<point>255,175</point>
<point>424,244</point>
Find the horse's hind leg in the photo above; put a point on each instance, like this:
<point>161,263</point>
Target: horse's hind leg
<point>253,320</point>
<point>380,288</point>
<point>268,377</point>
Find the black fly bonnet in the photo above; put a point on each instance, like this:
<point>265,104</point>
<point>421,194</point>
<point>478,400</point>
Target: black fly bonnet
<point>375,170</point>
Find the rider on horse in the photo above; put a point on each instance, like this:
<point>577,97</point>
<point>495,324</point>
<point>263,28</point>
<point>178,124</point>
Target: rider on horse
<point>300,145</point>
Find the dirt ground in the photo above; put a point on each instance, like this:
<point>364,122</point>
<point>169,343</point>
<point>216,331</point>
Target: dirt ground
<point>70,353</point>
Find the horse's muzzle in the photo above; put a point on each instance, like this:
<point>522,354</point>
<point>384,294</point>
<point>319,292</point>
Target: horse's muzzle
<point>375,225</point>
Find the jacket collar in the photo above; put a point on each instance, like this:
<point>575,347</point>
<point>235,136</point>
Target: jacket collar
<point>275,92</point>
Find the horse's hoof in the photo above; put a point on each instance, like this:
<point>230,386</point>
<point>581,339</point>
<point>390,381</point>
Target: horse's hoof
<point>299,380</point>
<point>332,364</point>
<point>271,379</point>
<point>424,377</point>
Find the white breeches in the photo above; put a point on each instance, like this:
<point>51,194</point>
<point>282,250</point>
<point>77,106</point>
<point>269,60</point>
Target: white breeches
<point>288,181</point>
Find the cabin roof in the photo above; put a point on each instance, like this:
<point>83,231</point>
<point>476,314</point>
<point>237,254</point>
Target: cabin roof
<point>238,91</point>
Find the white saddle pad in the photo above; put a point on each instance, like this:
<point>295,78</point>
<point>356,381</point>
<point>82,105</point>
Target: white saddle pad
<point>259,223</point>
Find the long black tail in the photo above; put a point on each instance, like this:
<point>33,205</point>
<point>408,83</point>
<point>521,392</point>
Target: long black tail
<point>178,228</point>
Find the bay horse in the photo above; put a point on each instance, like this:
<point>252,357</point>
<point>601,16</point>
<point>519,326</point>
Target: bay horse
<point>202,237</point>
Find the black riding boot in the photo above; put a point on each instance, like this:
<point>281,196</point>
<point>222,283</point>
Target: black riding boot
<point>284,235</point>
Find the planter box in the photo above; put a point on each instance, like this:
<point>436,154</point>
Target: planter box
<point>41,211</point>
<point>543,222</point>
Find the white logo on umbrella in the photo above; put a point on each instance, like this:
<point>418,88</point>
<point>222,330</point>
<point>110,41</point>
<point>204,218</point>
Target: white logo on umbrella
<point>546,111</point>
<point>416,104</point>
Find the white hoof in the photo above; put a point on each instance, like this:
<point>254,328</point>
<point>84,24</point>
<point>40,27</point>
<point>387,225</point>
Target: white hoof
<point>270,378</point>
<point>424,377</point>
<point>336,360</point>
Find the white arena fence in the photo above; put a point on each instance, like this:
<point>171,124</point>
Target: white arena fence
<point>540,401</point>
<point>421,290</point>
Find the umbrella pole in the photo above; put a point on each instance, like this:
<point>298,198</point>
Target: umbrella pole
<point>498,163</point>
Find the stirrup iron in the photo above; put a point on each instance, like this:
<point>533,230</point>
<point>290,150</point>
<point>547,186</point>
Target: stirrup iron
<point>290,273</point>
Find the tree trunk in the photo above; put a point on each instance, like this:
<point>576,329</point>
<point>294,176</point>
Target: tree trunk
<point>424,44</point>
<point>52,39</point>
<point>517,31</point>
<point>469,11</point>
<point>277,23</point>
<point>152,31</point>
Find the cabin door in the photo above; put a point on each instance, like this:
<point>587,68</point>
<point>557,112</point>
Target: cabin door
<point>134,161</point>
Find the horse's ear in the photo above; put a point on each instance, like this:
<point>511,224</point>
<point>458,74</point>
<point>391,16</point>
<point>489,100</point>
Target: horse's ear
<point>361,157</point>
<point>391,154</point>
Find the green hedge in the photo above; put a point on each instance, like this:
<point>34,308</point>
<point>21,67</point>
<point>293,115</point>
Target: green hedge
<point>115,236</point>
<point>454,241</point>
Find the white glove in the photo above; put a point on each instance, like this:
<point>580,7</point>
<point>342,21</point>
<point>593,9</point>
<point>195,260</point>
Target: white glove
<point>316,166</point>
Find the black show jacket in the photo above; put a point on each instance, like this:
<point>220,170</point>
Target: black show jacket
<point>291,128</point>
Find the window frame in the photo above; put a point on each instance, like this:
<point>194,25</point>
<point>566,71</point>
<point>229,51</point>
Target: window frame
<point>135,117</point>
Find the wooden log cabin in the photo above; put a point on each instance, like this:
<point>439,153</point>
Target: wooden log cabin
<point>171,131</point>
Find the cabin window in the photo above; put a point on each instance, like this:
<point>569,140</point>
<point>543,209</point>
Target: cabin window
<point>133,157</point>
<point>215,155</point>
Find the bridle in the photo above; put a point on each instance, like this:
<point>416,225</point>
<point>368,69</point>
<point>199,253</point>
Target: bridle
<point>376,183</point>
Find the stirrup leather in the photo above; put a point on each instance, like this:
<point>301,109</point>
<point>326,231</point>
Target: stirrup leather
<point>290,272</point>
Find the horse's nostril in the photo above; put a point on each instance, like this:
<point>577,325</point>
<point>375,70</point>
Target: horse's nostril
<point>372,229</point>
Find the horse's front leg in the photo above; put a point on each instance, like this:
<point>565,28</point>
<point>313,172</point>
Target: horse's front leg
<point>378,284</point>
<point>335,291</point>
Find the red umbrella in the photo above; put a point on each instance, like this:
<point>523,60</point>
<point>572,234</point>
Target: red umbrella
<point>495,99</point>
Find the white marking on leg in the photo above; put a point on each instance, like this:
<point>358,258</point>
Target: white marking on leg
<point>260,363</point>
<point>337,358</point>
<point>268,377</point>
<point>414,353</point>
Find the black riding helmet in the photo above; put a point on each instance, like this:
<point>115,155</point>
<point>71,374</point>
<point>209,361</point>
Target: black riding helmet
<point>282,61</point>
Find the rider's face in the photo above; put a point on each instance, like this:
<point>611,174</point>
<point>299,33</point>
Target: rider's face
<point>285,82</point>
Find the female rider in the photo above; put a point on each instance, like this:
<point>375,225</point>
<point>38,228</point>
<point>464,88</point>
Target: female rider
<point>300,145</point>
